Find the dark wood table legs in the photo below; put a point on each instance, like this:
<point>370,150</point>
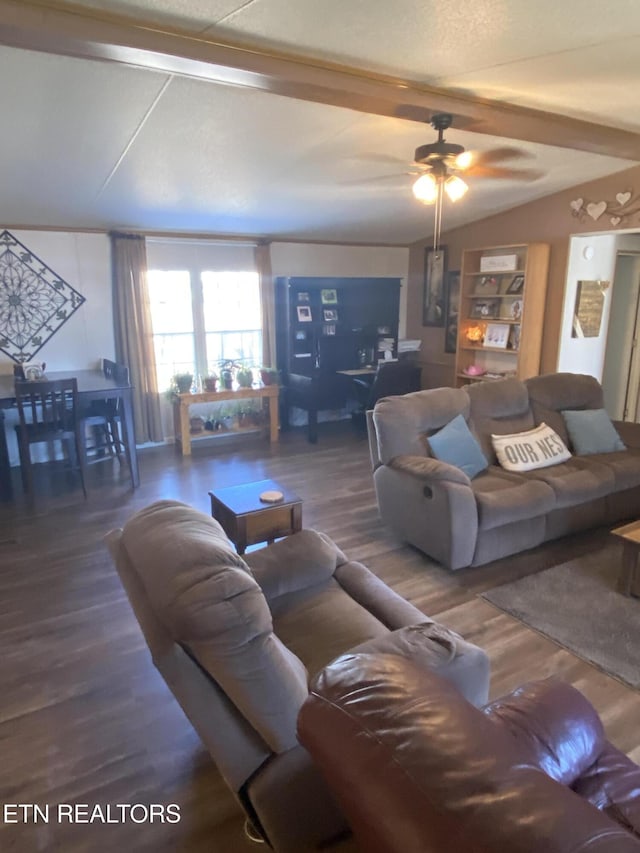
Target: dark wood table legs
<point>6,488</point>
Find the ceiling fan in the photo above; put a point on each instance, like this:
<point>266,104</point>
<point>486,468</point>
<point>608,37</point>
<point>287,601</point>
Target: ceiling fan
<point>441,163</point>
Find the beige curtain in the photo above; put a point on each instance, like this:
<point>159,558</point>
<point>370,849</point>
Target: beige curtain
<point>133,331</point>
<point>268,303</point>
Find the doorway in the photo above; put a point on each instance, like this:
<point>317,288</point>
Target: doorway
<point>621,372</point>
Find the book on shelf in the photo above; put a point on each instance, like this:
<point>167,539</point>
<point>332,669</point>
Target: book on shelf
<point>409,345</point>
<point>385,344</point>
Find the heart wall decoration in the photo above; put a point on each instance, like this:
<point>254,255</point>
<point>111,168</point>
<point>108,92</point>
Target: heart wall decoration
<point>620,211</point>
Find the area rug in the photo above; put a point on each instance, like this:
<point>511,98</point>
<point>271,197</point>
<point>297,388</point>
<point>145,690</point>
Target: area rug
<point>577,605</point>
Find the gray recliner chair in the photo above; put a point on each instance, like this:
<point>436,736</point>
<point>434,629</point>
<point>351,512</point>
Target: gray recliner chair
<point>237,641</point>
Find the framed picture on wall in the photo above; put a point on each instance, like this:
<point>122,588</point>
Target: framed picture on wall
<point>433,307</point>
<point>452,310</point>
<point>587,315</point>
<point>304,314</point>
<point>329,296</point>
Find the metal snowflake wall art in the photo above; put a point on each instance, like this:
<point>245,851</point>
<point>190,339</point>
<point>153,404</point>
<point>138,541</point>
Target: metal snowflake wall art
<point>34,301</point>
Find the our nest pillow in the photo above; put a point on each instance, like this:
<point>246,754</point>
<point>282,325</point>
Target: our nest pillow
<point>591,431</point>
<point>534,448</point>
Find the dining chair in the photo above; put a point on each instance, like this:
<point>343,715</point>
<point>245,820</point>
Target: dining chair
<point>48,412</point>
<point>102,420</point>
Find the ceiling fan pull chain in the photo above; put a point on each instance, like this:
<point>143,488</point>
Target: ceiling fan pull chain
<point>438,217</point>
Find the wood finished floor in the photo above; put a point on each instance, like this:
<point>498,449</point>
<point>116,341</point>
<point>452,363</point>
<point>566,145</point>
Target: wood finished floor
<point>84,717</point>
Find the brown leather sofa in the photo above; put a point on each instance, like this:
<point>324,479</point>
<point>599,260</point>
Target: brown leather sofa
<point>237,640</point>
<point>416,768</point>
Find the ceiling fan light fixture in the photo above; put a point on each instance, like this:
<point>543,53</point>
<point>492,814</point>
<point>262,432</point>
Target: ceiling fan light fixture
<point>425,189</point>
<point>455,187</point>
<point>464,160</point>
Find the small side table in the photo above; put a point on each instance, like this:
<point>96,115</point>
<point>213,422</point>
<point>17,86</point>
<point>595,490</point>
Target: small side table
<point>629,578</point>
<point>247,520</point>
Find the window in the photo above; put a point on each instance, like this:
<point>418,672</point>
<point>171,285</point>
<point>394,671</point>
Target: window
<point>203,317</point>
<point>232,317</point>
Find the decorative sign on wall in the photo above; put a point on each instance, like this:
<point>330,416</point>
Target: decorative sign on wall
<point>587,315</point>
<point>34,301</point>
<point>620,211</point>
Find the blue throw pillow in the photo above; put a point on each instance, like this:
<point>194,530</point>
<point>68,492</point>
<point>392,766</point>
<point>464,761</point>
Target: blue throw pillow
<point>455,444</point>
<point>591,431</point>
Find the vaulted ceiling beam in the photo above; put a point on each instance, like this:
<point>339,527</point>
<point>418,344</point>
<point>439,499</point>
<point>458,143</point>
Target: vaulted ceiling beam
<point>59,29</point>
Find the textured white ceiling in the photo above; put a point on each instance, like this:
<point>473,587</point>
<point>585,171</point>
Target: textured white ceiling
<point>90,144</point>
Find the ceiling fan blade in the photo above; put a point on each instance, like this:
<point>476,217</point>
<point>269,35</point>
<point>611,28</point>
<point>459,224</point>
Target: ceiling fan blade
<point>373,157</point>
<point>496,155</point>
<point>502,173</point>
<point>376,179</point>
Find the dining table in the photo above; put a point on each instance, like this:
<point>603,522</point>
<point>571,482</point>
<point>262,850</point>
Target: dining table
<point>92,385</point>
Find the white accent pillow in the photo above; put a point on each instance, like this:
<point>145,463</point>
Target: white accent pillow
<point>535,448</point>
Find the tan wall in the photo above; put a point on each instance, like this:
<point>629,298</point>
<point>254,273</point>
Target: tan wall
<point>548,220</point>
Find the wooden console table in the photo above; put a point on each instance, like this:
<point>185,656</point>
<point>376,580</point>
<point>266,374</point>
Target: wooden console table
<point>182,402</point>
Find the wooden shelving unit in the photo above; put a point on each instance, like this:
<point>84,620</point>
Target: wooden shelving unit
<point>506,304</point>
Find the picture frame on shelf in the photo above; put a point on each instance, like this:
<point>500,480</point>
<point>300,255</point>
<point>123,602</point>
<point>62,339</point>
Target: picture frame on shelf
<point>329,296</point>
<point>516,284</point>
<point>304,313</point>
<point>433,307</point>
<point>487,285</point>
<point>452,310</point>
<point>330,315</point>
<point>496,335</point>
<point>486,309</point>
<point>514,337</point>
<point>515,309</point>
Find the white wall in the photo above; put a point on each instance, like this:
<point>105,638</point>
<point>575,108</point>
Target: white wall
<point>175,254</point>
<point>586,355</point>
<point>83,261</point>
<point>622,321</point>
<point>300,259</point>
<point>622,360</point>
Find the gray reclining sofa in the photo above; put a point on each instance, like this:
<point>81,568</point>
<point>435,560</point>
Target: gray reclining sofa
<point>460,521</point>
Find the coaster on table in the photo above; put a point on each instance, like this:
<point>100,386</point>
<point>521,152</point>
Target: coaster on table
<point>271,497</point>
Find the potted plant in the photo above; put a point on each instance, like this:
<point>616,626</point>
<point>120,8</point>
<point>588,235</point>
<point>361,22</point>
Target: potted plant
<point>245,377</point>
<point>226,378</point>
<point>243,416</point>
<point>182,382</point>
<point>269,375</point>
<point>210,381</point>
